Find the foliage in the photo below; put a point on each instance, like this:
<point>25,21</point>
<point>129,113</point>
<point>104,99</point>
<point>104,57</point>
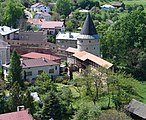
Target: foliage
<point>63,7</point>
<point>15,69</point>
<point>13,12</point>
<point>88,4</point>
<point>124,36</point>
<point>44,84</point>
<point>87,111</point>
<point>113,115</point>
<point>14,99</point>
<point>51,107</point>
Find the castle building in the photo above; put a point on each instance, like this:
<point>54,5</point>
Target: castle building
<point>88,40</point>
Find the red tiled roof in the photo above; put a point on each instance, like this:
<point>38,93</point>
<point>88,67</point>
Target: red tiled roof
<point>35,5</point>
<point>35,21</point>
<point>20,115</point>
<point>52,24</point>
<point>43,13</point>
<point>38,62</point>
<point>33,55</point>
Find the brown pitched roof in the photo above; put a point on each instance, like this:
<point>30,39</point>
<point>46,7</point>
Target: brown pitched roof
<point>38,62</point>
<point>137,108</point>
<point>20,115</point>
<point>83,55</point>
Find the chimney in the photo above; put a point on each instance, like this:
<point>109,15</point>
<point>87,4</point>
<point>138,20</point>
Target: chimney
<point>20,108</point>
<point>21,59</point>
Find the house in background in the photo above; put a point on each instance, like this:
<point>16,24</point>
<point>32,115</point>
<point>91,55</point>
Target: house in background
<point>7,33</point>
<point>53,27</point>
<point>21,114</point>
<point>42,15</point>
<point>65,40</point>
<point>118,4</point>
<point>4,52</point>
<point>33,55</point>
<point>39,7</point>
<point>107,7</point>
<point>31,68</point>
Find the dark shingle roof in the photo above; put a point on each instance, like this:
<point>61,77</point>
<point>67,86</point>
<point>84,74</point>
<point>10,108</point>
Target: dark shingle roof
<point>88,27</point>
<point>137,108</point>
<point>37,62</point>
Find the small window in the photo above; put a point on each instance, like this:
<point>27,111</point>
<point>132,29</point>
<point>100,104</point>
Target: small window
<point>89,41</point>
<point>40,71</point>
<point>81,40</point>
<point>29,73</point>
<point>55,67</point>
<point>94,48</point>
<point>86,48</point>
<point>51,70</point>
<point>58,41</point>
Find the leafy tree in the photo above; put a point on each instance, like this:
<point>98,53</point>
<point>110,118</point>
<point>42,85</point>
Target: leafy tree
<point>44,84</point>
<point>124,36</point>
<point>15,69</point>
<point>87,112</point>
<point>87,4</point>
<point>63,7</point>
<point>51,107</point>
<point>13,12</point>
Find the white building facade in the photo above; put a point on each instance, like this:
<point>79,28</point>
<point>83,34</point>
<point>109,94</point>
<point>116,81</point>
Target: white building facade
<point>31,68</point>
<point>38,7</point>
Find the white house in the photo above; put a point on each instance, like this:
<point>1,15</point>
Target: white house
<point>7,33</point>
<point>33,67</point>
<point>4,52</point>
<point>42,15</point>
<point>107,7</point>
<point>68,39</point>
<point>39,7</point>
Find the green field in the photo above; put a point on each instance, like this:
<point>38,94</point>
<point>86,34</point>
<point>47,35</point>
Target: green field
<point>140,2</point>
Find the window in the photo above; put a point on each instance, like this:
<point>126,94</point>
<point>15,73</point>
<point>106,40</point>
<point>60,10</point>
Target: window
<point>86,48</point>
<point>81,40</point>
<point>40,71</point>
<point>89,41</point>
<point>29,73</point>
<point>55,67</point>
<point>51,70</point>
<point>94,47</point>
<point>58,41</point>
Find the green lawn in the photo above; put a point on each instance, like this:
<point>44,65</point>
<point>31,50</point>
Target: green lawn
<point>140,2</point>
<point>142,91</point>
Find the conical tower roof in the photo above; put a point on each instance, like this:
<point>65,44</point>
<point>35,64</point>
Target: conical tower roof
<point>88,27</point>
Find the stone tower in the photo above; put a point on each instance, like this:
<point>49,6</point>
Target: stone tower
<point>88,39</point>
